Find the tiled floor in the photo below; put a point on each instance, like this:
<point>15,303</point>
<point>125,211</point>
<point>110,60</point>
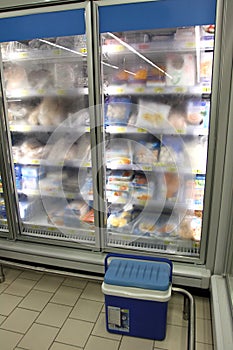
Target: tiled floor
<point>40,312</point>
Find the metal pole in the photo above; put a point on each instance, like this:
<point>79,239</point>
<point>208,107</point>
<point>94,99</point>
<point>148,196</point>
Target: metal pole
<point>191,316</point>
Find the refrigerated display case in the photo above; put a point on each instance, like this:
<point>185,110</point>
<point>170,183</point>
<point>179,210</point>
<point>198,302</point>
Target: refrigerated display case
<point>110,119</point>
<point>157,111</point>
<point>47,95</point>
<point>157,83</point>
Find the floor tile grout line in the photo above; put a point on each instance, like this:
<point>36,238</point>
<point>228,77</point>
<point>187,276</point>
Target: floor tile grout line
<point>17,295</point>
<point>72,307</point>
<point>66,319</point>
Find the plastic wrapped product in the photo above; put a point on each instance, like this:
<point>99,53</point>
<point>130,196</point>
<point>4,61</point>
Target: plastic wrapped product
<point>118,153</point>
<point>190,228</point>
<point>119,221</point>
<point>171,151</point>
<point>51,111</point>
<point>146,152</point>
<point>117,111</point>
<point>120,175</point>
<point>177,119</point>
<point>74,211</point>
<point>142,194</point>
<point>140,180</point>
<point>15,78</point>
<point>147,226</point>
<point>172,184</point>
<point>40,79</point>
<point>139,77</point>
<point>196,153</point>
<point>89,217</point>
<point>152,115</point>
<point>198,113</point>
<point>181,70</point>
<point>156,77</point>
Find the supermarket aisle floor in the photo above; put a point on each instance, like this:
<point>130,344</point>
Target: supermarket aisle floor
<point>46,312</point>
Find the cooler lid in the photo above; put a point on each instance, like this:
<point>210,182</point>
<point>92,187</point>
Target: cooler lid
<point>139,274</point>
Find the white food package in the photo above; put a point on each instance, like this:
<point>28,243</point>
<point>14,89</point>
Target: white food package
<point>180,69</point>
<point>152,115</point>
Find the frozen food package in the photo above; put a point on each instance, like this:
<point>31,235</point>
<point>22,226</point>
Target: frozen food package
<point>15,77</point>
<point>177,119</point>
<point>119,221</point>
<point>207,36</point>
<point>198,113</point>
<point>180,69</point>
<point>140,180</point>
<point>89,217</point>
<point>167,225</point>
<point>28,208</point>
<point>139,76</point>
<point>117,110</point>
<point>117,196</point>
<point>76,207</point>
<point>64,76</point>
<point>87,188</point>
<point>206,68</point>
<point>143,193</point>
<point>156,76</point>
<point>152,115</point>
<point>81,150</point>
<point>185,37</point>
<point>73,213</point>
<point>40,79</point>
<point>190,227</point>
<point>51,111</point>
<point>199,189</point>
<point>118,186</point>
<point>172,185</point>
<point>18,177</point>
<point>171,151</point>
<point>32,171</point>
<point>147,226</point>
<point>118,152</point>
<point>146,152</point>
<point>121,77</point>
<point>28,149</point>
<point>195,153</point>
<point>18,112</point>
<point>120,175</point>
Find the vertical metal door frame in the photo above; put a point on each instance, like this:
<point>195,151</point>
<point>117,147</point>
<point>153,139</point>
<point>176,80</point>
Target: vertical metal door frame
<point>97,105</point>
<point>221,176</point>
<point>6,167</point>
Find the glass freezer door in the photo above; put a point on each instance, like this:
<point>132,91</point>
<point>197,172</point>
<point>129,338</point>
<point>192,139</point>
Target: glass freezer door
<point>157,89</point>
<point>46,89</point>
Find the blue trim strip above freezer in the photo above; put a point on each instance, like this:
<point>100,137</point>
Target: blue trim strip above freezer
<point>156,14</point>
<point>43,25</point>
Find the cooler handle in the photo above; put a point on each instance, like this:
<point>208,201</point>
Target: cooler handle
<point>138,257</point>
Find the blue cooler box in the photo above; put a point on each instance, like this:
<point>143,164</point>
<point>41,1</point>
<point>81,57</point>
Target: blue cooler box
<point>137,290</point>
